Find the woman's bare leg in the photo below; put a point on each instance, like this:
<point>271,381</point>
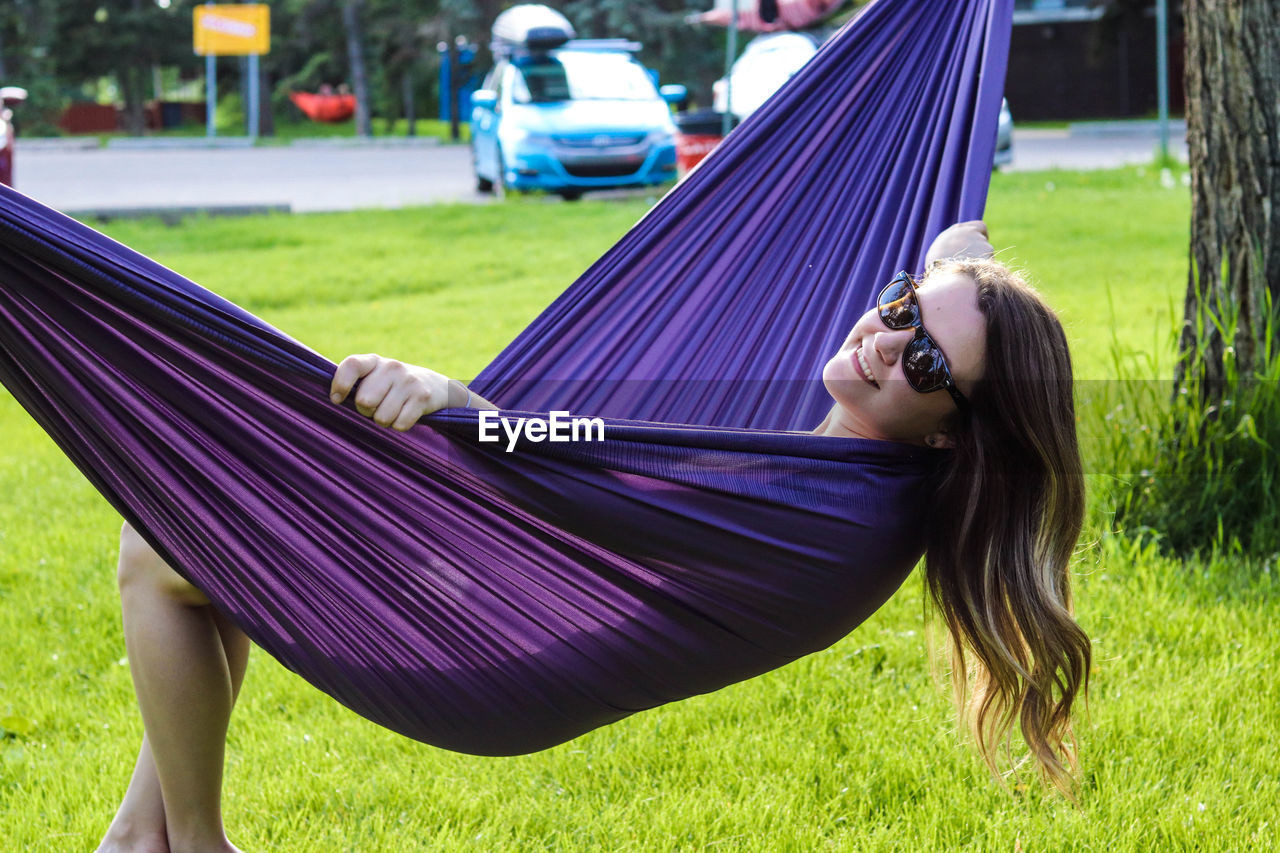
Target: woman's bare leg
<point>188,662</point>
<point>139,822</point>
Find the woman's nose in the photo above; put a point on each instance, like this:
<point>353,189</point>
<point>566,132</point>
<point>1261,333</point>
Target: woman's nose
<point>890,343</point>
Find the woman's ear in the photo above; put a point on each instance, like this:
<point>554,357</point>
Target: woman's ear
<point>940,440</point>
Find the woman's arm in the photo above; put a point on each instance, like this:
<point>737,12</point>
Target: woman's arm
<point>396,394</point>
<point>470,399</point>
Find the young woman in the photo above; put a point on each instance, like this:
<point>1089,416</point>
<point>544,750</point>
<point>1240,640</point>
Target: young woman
<point>970,360</point>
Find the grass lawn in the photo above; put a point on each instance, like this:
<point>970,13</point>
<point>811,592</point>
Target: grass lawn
<point>854,748</point>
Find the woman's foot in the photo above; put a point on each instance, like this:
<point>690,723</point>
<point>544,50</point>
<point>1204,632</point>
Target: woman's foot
<point>139,825</point>
<point>214,845</point>
<point>121,840</point>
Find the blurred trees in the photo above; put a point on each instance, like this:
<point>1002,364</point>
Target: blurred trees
<point>56,47</point>
<point>25,59</point>
<point>354,32</point>
<point>378,47</point>
<point>121,38</point>
<point>681,53</point>
<point>63,50</point>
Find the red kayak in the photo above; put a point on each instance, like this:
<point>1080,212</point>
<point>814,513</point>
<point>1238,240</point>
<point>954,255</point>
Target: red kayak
<point>324,107</point>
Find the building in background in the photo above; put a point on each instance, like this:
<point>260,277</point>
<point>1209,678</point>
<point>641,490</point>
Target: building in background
<point>1085,59</point>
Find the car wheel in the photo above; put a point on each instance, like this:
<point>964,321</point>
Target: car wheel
<point>500,188</point>
<point>483,184</point>
<point>570,195</point>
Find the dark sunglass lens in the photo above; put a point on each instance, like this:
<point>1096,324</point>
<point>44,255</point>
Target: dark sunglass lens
<point>897,306</point>
<point>924,365</point>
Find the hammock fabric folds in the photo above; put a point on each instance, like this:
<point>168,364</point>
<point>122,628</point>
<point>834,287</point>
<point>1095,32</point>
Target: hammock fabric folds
<point>498,603</point>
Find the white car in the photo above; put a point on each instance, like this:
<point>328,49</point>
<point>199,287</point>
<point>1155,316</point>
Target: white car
<point>1004,137</point>
<point>768,61</point>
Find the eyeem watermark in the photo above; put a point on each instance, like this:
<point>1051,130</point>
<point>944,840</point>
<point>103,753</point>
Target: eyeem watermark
<point>558,426</point>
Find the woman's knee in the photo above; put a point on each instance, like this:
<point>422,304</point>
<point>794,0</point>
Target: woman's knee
<point>141,566</point>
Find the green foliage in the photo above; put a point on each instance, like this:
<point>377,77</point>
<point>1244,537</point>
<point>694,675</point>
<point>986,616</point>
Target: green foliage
<point>1196,465</point>
<point>309,49</point>
<point>55,48</point>
<point>39,115</point>
<point>681,53</point>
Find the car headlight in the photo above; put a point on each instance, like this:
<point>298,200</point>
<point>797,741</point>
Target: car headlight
<point>522,137</point>
<point>661,137</point>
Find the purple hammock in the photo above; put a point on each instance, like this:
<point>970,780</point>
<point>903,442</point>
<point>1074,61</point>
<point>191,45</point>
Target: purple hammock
<point>500,603</point>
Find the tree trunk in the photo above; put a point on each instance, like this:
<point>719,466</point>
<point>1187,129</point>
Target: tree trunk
<point>406,94</point>
<point>133,82</point>
<point>266,117</point>
<point>131,85</point>
<point>243,64</point>
<point>1233,135</point>
<point>355,54</point>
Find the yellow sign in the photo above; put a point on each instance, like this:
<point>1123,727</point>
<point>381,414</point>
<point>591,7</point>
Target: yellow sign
<point>226,30</point>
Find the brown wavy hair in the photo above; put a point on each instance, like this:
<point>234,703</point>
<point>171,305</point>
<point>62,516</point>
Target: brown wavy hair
<point>1009,511</point>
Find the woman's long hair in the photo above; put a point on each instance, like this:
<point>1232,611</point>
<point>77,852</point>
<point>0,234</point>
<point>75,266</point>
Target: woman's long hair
<point>1009,511</point>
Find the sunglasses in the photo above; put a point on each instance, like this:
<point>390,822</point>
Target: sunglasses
<point>923,363</point>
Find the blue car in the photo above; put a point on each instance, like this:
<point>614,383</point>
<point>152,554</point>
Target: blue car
<point>571,120</point>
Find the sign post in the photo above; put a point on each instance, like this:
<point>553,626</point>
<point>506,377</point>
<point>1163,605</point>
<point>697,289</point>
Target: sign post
<point>231,30</point>
<point>210,96</point>
<point>1162,74</point>
<point>730,54</point>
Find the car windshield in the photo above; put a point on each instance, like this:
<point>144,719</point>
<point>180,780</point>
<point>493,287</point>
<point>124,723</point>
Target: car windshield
<point>581,76</point>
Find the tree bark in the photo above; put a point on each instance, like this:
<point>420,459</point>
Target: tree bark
<point>266,116</point>
<point>1233,137</point>
<point>406,94</point>
<point>131,83</point>
<point>355,54</point>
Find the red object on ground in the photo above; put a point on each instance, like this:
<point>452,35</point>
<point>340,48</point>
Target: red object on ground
<point>692,147</point>
<point>324,107</point>
<point>89,118</point>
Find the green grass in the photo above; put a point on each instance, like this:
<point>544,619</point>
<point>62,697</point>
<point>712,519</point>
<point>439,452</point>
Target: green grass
<point>854,748</point>
<point>1042,125</point>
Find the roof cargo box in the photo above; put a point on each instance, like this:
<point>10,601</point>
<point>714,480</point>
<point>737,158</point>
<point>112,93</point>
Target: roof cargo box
<point>530,29</point>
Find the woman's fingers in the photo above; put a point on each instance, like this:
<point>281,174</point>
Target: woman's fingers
<point>374,387</point>
<point>410,413</point>
<point>352,368</point>
<point>388,409</point>
<point>390,392</point>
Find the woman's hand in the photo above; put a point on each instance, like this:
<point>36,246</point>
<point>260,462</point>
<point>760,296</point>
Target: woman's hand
<point>391,392</point>
<point>962,240</point>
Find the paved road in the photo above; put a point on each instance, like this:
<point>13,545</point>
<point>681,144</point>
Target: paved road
<point>294,177</point>
<point>1103,146</point>
<point>311,178</point>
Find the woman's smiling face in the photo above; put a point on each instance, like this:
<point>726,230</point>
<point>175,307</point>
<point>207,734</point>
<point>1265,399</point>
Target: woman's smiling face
<point>865,378</point>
